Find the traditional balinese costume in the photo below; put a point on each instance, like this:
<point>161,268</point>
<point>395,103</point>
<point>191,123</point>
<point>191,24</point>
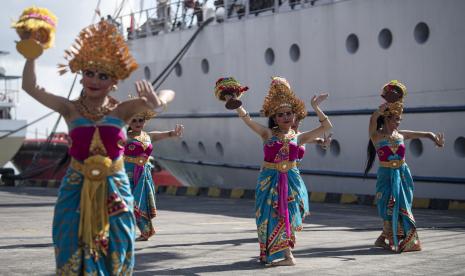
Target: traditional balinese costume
<point>394,186</point>
<point>136,160</point>
<point>281,195</point>
<point>94,223</point>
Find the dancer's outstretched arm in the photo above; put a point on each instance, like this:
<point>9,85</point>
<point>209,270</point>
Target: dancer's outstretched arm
<point>309,136</point>
<point>161,135</point>
<point>148,100</point>
<point>437,138</point>
<point>54,102</point>
<point>261,130</point>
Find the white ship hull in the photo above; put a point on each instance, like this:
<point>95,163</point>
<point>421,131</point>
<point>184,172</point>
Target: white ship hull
<point>219,150</point>
<point>11,144</point>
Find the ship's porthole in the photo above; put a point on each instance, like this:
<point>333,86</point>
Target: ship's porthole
<point>185,147</point>
<point>320,151</point>
<point>294,52</point>
<point>205,66</point>
<point>269,56</point>
<point>147,73</point>
<point>421,32</point>
<point>385,38</point>
<point>202,148</point>
<point>459,146</point>
<point>335,148</point>
<point>178,69</point>
<point>352,43</point>
<point>219,148</point>
<point>416,147</point>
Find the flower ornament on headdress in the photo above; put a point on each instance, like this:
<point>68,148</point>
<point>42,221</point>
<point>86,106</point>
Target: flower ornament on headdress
<point>394,91</point>
<point>36,28</point>
<point>100,47</point>
<point>230,85</point>
<point>229,90</point>
<point>281,95</point>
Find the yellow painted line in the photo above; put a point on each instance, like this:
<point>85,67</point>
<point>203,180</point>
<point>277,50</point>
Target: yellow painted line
<point>171,190</point>
<point>455,205</point>
<point>422,203</point>
<point>317,197</point>
<point>237,193</point>
<point>192,191</point>
<point>349,198</point>
<point>214,192</point>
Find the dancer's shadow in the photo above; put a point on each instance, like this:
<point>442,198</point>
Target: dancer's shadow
<point>251,264</point>
<point>147,260</point>
<point>346,253</point>
<point>235,242</point>
<point>31,245</point>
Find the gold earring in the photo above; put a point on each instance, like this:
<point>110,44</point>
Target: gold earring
<point>114,87</point>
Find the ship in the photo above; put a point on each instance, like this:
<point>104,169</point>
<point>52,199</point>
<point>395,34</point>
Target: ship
<point>346,48</point>
<point>12,130</point>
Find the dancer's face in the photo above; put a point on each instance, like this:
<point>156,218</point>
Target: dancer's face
<point>137,123</point>
<point>393,122</point>
<point>285,117</point>
<point>97,84</point>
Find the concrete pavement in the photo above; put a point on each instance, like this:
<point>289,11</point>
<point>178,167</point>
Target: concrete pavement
<point>214,236</point>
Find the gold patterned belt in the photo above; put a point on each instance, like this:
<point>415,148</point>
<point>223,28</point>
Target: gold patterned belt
<point>282,166</point>
<point>393,164</point>
<point>97,167</point>
<point>94,222</point>
<point>140,160</point>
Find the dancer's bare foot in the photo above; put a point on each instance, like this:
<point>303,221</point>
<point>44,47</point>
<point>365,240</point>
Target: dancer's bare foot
<point>289,261</point>
<point>381,242</point>
<point>141,238</point>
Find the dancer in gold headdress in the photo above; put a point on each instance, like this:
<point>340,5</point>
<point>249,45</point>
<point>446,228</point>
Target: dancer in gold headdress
<point>394,187</point>
<point>281,195</point>
<point>94,224</point>
<point>137,152</point>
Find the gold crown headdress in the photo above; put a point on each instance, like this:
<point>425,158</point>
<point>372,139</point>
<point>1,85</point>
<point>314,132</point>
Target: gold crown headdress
<point>281,95</point>
<point>147,114</point>
<point>100,47</point>
<point>395,108</point>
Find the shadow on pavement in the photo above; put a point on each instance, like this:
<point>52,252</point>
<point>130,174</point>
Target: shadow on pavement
<point>31,245</point>
<point>196,270</point>
<point>236,242</point>
<point>340,252</point>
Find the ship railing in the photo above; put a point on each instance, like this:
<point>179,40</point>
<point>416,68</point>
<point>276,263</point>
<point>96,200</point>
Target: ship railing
<point>170,16</point>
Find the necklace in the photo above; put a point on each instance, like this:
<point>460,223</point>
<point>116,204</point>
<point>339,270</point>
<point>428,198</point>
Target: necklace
<point>283,136</point>
<point>95,114</point>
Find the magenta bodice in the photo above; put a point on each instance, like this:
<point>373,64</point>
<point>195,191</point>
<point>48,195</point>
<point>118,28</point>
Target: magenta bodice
<point>139,146</point>
<point>112,135</point>
<point>273,153</point>
<point>390,150</point>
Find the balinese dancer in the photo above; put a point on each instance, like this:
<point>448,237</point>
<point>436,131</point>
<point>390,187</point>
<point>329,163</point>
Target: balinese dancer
<point>281,195</point>
<point>394,186</point>
<point>94,223</point>
<point>136,160</point>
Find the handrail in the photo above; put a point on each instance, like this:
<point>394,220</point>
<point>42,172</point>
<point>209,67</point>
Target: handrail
<point>185,14</point>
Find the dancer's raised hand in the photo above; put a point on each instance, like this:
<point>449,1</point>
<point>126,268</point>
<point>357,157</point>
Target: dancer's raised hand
<point>438,139</point>
<point>316,100</point>
<point>178,131</point>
